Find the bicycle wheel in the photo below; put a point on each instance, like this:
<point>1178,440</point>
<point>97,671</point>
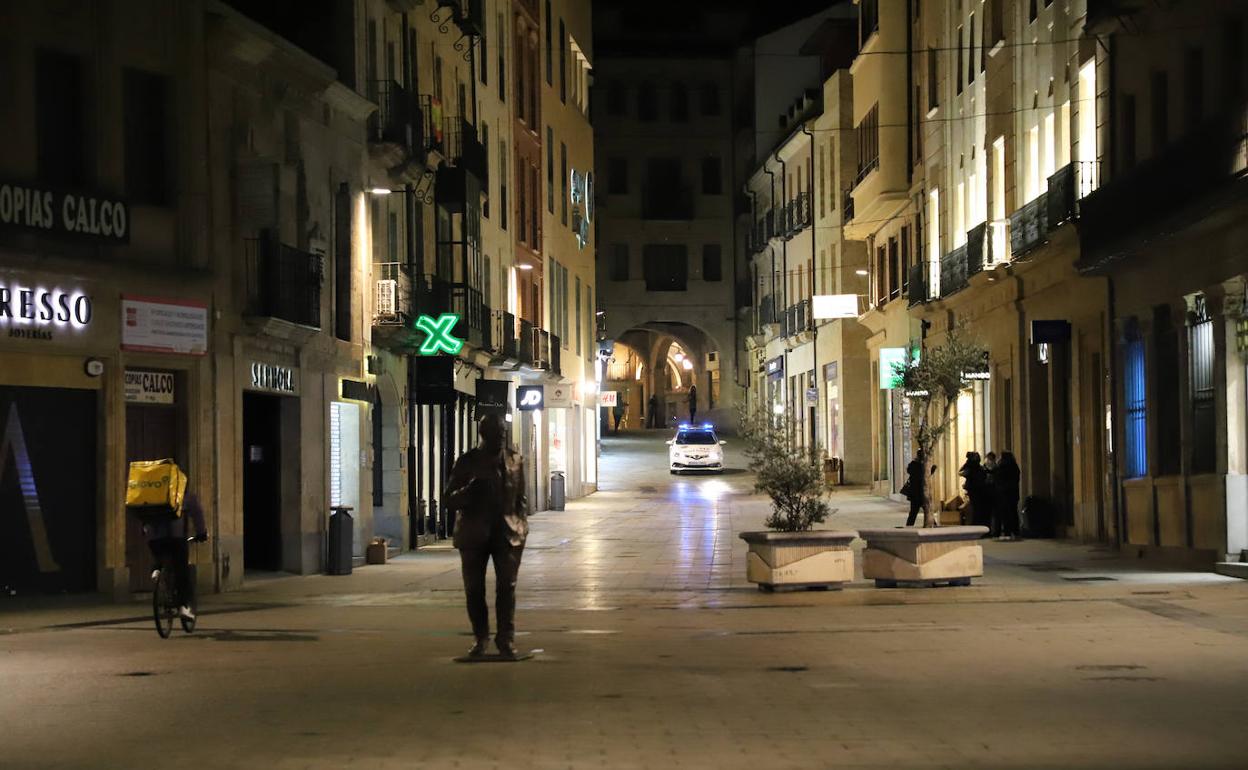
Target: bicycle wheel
<point>163,608</point>
<point>188,625</point>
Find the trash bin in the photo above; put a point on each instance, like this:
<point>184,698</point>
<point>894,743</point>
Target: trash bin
<point>556,491</point>
<point>341,541</point>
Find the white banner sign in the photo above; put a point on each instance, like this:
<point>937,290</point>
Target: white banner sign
<point>163,326</point>
<point>608,398</point>
<point>149,387</point>
<point>558,396</point>
<point>824,306</point>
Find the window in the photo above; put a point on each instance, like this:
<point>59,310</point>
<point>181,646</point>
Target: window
<point>617,176</point>
<point>996,19</point>
<point>1194,86</point>
<point>679,102</point>
<point>485,146</point>
<point>712,262</point>
<point>881,280</point>
<point>1087,117</point>
<point>1127,135</point>
<point>933,100</point>
<point>868,20</point>
<point>712,183</point>
<point>1033,163</point>
<point>487,288</point>
<point>535,215</point>
<point>1160,102</point>
<point>563,63</point>
<point>522,200</point>
<point>619,262</point>
<point>647,102</point>
<point>147,124</point>
<point>868,132</point>
<point>500,50</point>
<point>894,269</point>
<point>563,183</point>
<point>970,42</point>
<point>961,53</point>
<point>550,47</point>
<point>666,266</point>
<point>905,261</point>
<point>709,99</point>
<point>933,242</point>
<point>1032,11</point>
<point>590,321</point>
<point>550,170</point>
<point>577,299</point>
<point>616,99</point>
<point>502,183</point>
<point>1165,382</point>
<point>1135,426</point>
<point>60,118</point>
<point>1204,417</point>
<point>342,264</point>
<point>484,59</point>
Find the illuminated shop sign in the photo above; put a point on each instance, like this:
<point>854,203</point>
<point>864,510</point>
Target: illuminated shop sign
<point>438,336</point>
<point>273,378</point>
<point>890,360</point>
<point>35,208</point>
<point>35,311</point>
<point>530,397</point>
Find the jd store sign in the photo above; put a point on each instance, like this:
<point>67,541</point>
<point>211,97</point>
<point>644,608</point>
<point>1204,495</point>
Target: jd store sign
<point>35,208</point>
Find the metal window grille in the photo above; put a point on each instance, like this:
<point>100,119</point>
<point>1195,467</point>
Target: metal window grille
<point>1201,366</point>
<point>1135,427</point>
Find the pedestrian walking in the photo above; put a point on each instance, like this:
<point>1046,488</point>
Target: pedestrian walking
<point>1006,489</point>
<point>915,490</point>
<point>652,411</point>
<point>693,403</point>
<point>618,413</point>
<point>487,489</point>
<point>976,486</point>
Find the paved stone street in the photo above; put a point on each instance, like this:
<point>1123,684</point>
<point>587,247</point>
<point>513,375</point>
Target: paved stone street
<point>653,652</point>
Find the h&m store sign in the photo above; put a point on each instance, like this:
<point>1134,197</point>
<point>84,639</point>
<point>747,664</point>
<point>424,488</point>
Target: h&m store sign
<point>34,208</point>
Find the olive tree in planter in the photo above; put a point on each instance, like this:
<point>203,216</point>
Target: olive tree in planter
<point>791,553</point>
<point>933,383</point>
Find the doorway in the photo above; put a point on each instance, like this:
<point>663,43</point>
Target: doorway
<point>262,482</point>
<point>153,432</point>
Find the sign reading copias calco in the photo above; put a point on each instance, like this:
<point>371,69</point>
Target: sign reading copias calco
<point>36,208</point>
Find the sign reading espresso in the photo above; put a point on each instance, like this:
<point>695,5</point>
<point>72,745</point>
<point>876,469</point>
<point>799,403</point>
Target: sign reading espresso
<point>273,378</point>
<point>33,311</point>
<point>35,208</point>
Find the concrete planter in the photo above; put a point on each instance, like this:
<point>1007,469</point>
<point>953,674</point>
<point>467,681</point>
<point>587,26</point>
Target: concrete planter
<point>923,557</point>
<point>815,559</point>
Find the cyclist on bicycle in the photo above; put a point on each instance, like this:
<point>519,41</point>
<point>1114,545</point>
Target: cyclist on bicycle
<point>168,540</point>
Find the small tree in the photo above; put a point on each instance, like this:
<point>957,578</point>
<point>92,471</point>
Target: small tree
<point>792,478</point>
<point>936,379</point>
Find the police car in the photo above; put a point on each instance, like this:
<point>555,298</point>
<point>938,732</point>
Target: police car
<point>696,448</point>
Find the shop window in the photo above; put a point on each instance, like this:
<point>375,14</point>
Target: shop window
<point>1135,426</point>
<point>1201,366</point>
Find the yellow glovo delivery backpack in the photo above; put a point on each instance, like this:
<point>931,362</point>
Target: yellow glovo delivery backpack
<point>155,488</point>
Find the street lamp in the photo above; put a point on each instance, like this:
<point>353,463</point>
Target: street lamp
<point>380,191</point>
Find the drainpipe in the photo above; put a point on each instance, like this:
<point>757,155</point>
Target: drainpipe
<point>814,325</point>
<point>784,262</point>
<point>770,253</point>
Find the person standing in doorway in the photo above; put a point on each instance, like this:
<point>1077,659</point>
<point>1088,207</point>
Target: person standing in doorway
<point>652,411</point>
<point>915,490</point>
<point>487,489</point>
<point>693,403</point>
<point>1005,486</point>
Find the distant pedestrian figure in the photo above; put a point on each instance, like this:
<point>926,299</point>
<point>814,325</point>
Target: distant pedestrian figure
<point>487,489</point>
<point>990,473</point>
<point>652,411</point>
<point>618,413</point>
<point>915,490</point>
<point>976,486</point>
<point>693,403</point>
<point>1006,491</point>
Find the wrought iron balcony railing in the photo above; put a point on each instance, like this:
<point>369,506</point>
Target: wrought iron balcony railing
<point>283,282</point>
<point>797,318</point>
<point>953,271</point>
<point>395,121</point>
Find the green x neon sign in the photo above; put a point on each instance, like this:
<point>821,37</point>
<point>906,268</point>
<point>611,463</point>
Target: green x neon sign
<point>438,335</point>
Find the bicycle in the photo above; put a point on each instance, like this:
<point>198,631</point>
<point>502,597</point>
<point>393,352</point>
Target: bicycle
<point>166,604</point>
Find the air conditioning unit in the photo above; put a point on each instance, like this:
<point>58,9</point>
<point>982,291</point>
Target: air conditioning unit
<point>387,298</point>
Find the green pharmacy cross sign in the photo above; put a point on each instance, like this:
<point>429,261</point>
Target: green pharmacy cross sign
<point>438,337</point>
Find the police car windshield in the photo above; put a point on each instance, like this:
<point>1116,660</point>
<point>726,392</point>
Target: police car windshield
<point>695,437</point>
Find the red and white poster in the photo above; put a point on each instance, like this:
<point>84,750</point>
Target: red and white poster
<point>164,326</point>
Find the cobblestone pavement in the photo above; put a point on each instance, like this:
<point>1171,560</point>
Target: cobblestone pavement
<point>653,652</point>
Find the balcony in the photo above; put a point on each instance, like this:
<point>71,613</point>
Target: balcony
<point>526,342</point>
<point>667,203</point>
<point>541,348</point>
<point>1067,189</point>
<point>766,313</point>
<point>432,123</point>
<point>796,215</point>
<point>393,123</point>
<point>953,271</point>
<point>918,284</point>
<point>556,355</point>
<point>1162,193</point>
<point>797,319</point>
<point>1029,225</point>
<point>283,283</point>
<point>506,340</point>
<point>402,298</point>
<point>465,158</point>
